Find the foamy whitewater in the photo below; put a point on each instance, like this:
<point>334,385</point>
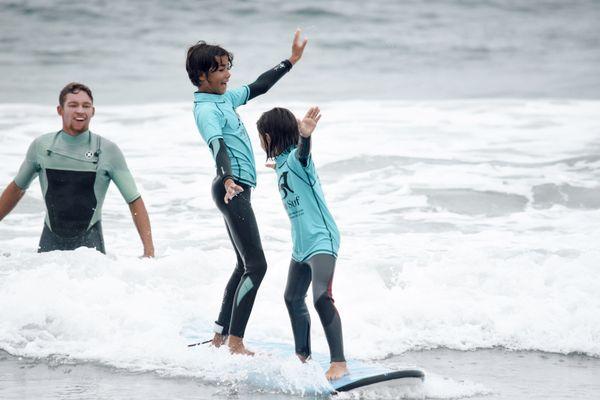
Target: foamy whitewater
<point>465,224</point>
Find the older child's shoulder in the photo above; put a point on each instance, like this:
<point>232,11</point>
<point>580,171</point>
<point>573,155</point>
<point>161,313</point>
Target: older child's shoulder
<point>238,96</point>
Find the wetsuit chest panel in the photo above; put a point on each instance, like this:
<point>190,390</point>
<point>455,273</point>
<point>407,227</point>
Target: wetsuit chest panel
<point>70,200</point>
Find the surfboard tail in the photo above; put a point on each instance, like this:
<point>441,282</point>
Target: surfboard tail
<point>375,379</point>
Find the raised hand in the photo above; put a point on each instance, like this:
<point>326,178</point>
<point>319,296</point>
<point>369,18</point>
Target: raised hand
<point>297,47</point>
<point>309,122</point>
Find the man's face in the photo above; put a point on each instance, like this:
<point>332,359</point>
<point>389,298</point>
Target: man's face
<point>76,113</point>
<point>217,79</point>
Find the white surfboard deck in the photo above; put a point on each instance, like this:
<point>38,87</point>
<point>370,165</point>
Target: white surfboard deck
<point>361,373</point>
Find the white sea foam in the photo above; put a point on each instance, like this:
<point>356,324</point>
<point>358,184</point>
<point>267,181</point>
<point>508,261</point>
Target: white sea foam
<point>465,224</point>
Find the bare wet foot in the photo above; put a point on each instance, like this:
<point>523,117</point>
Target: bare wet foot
<point>236,346</point>
<point>218,340</point>
<point>302,357</point>
<point>336,371</point>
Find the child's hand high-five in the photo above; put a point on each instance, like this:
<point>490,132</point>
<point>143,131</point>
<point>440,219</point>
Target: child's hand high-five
<point>297,47</point>
<point>309,122</point>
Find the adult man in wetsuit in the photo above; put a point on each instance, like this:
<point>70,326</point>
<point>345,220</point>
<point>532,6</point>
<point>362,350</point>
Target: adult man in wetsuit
<point>75,167</point>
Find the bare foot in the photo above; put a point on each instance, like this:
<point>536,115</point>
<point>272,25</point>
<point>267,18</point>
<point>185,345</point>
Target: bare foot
<point>336,371</point>
<point>236,346</point>
<point>218,340</point>
<point>302,358</point>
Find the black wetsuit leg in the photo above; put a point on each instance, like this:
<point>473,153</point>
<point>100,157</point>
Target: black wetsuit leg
<point>320,268</point>
<point>299,277</point>
<point>251,263</point>
<point>92,238</point>
<point>230,289</point>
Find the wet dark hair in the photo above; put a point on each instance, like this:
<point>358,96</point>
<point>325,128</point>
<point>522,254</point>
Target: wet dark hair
<point>282,127</point>
<point>201,58</point>
<point>73,87</point>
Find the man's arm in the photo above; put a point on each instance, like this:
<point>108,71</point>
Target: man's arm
<point>142,223</point>
<point>121,176</point>
<point>16,189</point>
<point>9,199</point>
<point>270,77</point>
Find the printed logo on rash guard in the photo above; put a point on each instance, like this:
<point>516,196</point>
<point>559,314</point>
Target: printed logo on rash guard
<point>292,205</point>
<point>284,186</point>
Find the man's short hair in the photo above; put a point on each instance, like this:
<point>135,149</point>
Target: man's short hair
<point>201,58</point>
<point>73,87</point>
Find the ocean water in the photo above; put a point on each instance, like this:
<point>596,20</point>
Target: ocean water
<point>134,51</point>
<point>465,224</point>
<point>459,152</point>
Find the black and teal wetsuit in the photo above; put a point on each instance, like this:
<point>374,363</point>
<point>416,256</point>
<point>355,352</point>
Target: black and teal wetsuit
<point>74,173</point>
<point>222,129</point>
<point>316,240</point>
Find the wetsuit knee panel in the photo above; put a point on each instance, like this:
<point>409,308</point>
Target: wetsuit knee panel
<point>325,308</point>
<point>293,299</point>
<point>258,267</point>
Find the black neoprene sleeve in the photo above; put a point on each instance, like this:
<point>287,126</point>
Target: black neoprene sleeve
<point>219,151</point>
<point>303,150</point>
<point>267,79</point>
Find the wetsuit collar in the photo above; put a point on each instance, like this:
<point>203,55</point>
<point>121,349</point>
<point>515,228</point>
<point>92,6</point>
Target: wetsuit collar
<point>201,97</point>
<point>78,139</point>
<point>71,146</point>
<point>282,158</point>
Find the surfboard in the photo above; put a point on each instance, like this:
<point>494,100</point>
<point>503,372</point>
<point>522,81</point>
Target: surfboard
<point>361,373</point>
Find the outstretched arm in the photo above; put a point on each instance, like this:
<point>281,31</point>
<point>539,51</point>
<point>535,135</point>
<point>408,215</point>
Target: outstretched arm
<point>142,223</point>
<point>266,80</point>
<point>306,127</point>
<point>9,199</point>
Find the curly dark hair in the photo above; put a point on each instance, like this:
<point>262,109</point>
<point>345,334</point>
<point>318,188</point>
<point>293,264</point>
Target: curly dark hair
<point>201,58</point>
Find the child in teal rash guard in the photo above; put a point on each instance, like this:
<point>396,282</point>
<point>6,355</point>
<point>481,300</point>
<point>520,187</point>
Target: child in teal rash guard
<point>208,67</point>
<point>315,235</point>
